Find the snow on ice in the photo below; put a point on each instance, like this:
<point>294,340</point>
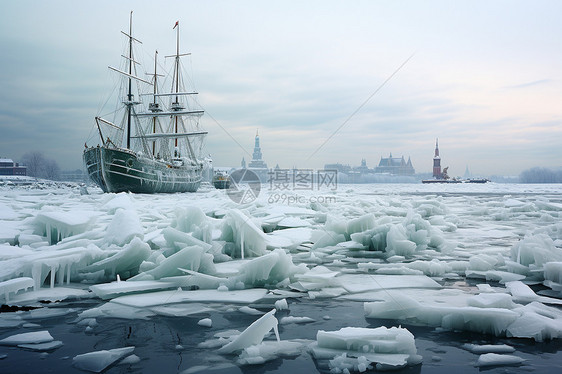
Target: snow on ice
<point>402,251</point>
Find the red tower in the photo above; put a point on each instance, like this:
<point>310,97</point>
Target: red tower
<point>437,162</point>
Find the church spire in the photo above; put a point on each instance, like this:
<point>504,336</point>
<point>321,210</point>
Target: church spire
<point>437,162</point>
<point>257,161</point>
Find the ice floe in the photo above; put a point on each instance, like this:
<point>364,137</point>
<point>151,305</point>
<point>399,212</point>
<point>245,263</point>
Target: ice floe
<point>358,349</point>
<point>99,360</point>
<point>485,262</point>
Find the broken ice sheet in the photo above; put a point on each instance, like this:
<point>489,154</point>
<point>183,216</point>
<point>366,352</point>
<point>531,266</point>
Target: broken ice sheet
<point>27,338</point>
<point>355,348</point>
<point>99,360</point>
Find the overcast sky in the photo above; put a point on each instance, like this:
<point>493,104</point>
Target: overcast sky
<point>485,78</point>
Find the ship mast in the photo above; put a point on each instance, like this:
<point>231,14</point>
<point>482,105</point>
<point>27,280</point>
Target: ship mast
<point>130,91</point>
<point>155,104</point>
<point>177,83</point>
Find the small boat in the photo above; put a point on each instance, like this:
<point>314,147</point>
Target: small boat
<point>442,181</point>
<point>221,180</point>
<point>154,143</point>
<point>444,178</point>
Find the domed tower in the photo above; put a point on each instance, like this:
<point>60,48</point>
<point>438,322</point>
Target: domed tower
<point>437,162</point>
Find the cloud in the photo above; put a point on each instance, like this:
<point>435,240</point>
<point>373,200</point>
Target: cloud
<point>539,82</point>
<point>297,71</point>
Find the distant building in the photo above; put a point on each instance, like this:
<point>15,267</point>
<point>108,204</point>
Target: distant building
<point>257,164</point>
<point>339,167</point>
<point>363,169</point>
<point>9,167</point>
<point>437,162</point>
<point>395,166</point>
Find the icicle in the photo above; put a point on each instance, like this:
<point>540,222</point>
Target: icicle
<point>53,270</point>
<point>61,274</point>
<point>276,331</point>
<point>242,243</point>
<point>36,274</point>
<point>118,278</point>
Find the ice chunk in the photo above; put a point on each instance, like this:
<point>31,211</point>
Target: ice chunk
<point>268,350</point>
<point>190,258</point>
<point>521,292</point>
<point>36,337</point>
<point>493,359</point>
<point>326,238</point>
<point>195,280</point>
<point>537,321</point>
<point>251,311</point>
<point>10,252</point>
<point>178,239</point>
<point>57,225</point>
<point>254,334</point>
<point>125,262</point>
<point>271,268</point>
<point>42,347</point>
<point>483,262</point>
<point>189,219</point>
<point>30,239</point>
<point>489,348</point>
<point>205,322</point>
<point>180,310</point>
<point>491,300</point>
<point>44,313</point>
<point>553,272</point>
<point>218,368</point>
<point>293,222</point>
<point>398,243</point>
<point>293,319</point>
<point>57,261</point>
<point>99,360</point>
<point>130,360</point>
<point>50,294</point>
<point>295,236</point>
<point>115,289</point>
<point>114,310</point>
<point>494,275</point>
<point>536,250</point>
<point>396,305</point>
<point>121,200</point>
<point>355,348</point>
<point>361,224</point>
<point>14,285</point>
<point>361,283</point>
<point>281,304</point>
<point>249,239</point>
<point>124,227</point>
<point>150,299</point>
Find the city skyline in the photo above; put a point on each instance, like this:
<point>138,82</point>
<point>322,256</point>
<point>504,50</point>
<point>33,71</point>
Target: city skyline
<point>324,82</point>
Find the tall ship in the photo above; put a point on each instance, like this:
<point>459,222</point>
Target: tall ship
<point>153,143</point>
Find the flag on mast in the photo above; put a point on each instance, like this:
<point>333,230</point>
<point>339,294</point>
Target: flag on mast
<point>177,23</point>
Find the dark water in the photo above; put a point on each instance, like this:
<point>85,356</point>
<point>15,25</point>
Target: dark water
<point>155,342</point>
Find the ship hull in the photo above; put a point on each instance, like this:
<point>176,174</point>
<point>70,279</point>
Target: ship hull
<point>118,170</point>
<point>450,181</point>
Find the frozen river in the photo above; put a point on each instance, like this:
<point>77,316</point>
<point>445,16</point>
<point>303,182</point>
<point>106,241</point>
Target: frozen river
<point>409,277</point>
